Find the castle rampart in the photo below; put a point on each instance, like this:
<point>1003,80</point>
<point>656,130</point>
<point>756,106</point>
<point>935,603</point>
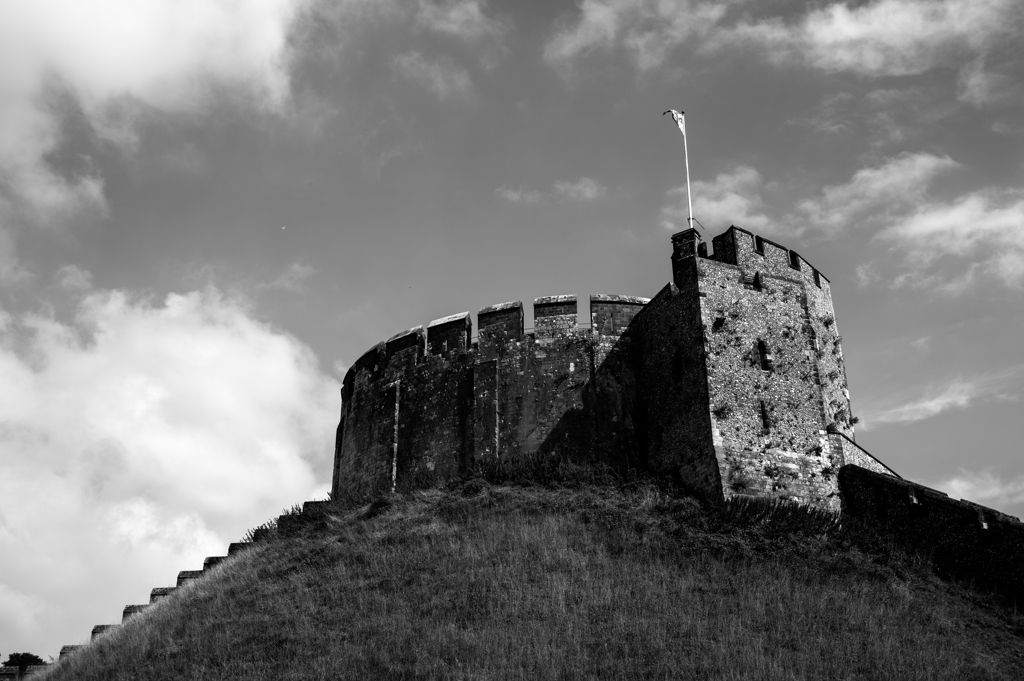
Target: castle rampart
<point>963,539</point>
<point>731,379</point>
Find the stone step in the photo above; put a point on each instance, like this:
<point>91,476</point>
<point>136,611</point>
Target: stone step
<point>188,575</point>
<point>160,592</point>
<point>8,673</point>
<point>237,546</point>
<point>130,610</point>
<point>67,650</point>
<point>101,629</point>
<point>315,507</point>
<point>212,562</point>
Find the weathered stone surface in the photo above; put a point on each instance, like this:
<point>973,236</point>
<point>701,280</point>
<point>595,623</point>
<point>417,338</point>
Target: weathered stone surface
<point>554,316</point>
<point>212,562</point>
<point>8,673</point>
<point>730,379</point>
<point>852,453</point>
<point>160,592</point>
<point>101,629</point>
<point>67,650</point>
<point>33,669</point>
<point>188,575</point>
<point>130,610</point>
<point>235,547</point>
<point>610,315</point>
<point>314,508</point>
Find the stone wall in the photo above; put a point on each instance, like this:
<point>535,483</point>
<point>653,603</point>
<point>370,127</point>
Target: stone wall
<point>964,539</point>
<point>766,395</point>
<point>420,410</point>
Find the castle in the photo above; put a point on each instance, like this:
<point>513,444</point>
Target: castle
<point>731,379</point>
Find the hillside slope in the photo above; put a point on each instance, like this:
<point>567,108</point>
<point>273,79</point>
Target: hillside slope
<point>501,582</point>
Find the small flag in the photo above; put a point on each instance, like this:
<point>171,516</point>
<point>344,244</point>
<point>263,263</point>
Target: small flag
<point>677,116</point>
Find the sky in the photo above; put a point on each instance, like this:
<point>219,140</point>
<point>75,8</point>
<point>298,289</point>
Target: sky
<point>210,208</point>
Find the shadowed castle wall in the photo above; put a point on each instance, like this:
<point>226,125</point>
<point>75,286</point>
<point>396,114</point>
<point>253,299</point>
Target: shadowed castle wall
<point>964,539</point>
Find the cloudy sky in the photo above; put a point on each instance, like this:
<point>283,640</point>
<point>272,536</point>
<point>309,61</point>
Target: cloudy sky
<point>210,208</point>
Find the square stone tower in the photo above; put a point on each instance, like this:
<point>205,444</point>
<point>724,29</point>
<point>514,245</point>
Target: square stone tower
<point>742,372</point>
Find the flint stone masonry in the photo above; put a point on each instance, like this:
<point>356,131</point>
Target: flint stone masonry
<point>731,379</point>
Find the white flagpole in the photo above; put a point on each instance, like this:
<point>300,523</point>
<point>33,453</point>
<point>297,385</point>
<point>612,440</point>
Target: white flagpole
<point>686,156</point>
<point>680,118</point>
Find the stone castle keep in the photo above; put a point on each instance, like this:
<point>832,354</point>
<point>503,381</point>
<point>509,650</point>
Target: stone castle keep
<point>731,379</point>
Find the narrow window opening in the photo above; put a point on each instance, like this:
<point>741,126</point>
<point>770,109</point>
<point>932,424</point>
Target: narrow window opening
<point>764,355</point>
<point>759,245</point>
<point>817,279</point>
<point>764,416</point>
<point>794,260</point>
<point>444,346</point>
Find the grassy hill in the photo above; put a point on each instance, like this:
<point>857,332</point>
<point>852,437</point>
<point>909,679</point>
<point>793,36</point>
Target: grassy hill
<point>505,582</point>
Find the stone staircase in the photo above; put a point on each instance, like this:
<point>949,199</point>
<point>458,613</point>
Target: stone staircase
<point>287,525</point>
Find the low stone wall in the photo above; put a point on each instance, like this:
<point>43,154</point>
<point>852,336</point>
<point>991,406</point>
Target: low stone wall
<point>964,539</point>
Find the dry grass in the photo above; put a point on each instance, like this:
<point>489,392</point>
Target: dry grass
<point>528,583</point>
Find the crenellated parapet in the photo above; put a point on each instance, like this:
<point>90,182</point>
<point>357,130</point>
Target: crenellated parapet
<point>432,403</point>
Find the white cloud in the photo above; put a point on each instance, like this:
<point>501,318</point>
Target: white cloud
<point>830,115</point>
<point>165,55</point>
<point>649,30</point>
<point>519,195</point>
<point>978,235</point>
<point>292,278</point>
<point>874,192</point>
<point>464,19</point>
<point>583,189</point>
<point>74,278</point>
<point>882,38</point>
<point>982,87</point>
<point>138,440</point>
<point>731,199</point>
<point>441,76</point>
<point>957,394</point>
<point>984,488</point>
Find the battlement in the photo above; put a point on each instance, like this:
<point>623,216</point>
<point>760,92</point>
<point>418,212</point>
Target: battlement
<point>750,252</point>
<point>555,317</point>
